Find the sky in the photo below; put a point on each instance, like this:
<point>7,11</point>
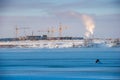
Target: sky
<point>40,15</point>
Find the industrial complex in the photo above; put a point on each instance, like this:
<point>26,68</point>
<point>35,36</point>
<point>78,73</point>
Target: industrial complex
<point>50,41</point>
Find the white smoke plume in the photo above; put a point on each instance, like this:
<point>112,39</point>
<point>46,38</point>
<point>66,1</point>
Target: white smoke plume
<point>88,21</point>
<point>89,24</point>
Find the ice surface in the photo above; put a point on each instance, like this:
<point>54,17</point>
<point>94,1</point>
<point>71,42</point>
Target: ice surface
<point>59,64</point>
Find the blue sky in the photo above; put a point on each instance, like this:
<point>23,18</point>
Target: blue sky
<point>43,14</point>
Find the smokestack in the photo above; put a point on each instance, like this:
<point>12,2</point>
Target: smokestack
<point>89,24</point>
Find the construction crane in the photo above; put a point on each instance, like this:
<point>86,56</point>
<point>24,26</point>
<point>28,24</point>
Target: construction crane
<point>17,29</point>
<point>61,28</point>
<point>32,33</point>
<point>52,31</point>
<point>24,29</point>
<point>41,32</point>
<point>48,32</point>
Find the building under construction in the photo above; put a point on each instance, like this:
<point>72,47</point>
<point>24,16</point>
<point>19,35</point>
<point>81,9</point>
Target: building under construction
<point>43,37</point>
<point>48,36</point>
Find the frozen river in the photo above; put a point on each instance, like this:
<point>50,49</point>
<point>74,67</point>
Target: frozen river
<point>59,64</point>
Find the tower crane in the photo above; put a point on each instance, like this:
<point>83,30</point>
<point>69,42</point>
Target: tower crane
<point>42,31</point>
<point>17,29</point>
<point>52,31</point>
<point>48,32</point>
<point>61,28</point>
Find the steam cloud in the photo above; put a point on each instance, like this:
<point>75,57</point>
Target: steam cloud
<point>88,21</point>
<point>89,24</point>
